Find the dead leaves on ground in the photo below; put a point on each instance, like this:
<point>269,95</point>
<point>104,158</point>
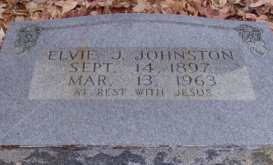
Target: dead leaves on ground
<point>14,10</point>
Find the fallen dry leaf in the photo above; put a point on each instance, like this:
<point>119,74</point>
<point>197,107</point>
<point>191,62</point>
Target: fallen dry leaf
<point>234,1</point>
<point>105,3</point>
<point>2,10</point>
<point>270,2</point>
<point>258,3</point>
<point>2,35</point>
<point>216,4</point>
<point>33,7</point>
<point>141,6</point>
<point>54,11</point>
<point>66,5</point>
<point>262,18</point>
<point>251,16</point>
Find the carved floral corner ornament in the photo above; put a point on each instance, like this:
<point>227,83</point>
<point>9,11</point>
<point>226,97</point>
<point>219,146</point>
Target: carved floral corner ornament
<point>27,38</point>
<point>252,36</point>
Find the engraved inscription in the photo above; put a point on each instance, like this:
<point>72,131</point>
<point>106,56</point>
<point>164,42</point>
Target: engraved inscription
<point>141,73</point>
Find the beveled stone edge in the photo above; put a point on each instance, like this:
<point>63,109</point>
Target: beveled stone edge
<point>141,155</point>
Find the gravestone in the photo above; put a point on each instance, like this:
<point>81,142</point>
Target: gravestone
<point>136,79</point>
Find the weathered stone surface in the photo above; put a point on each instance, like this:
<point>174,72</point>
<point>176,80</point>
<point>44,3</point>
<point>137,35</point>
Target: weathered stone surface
<point>137,155</point>
<point>136,79</point>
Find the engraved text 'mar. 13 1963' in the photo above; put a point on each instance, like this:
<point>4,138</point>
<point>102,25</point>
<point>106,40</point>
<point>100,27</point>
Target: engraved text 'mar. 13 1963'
<point>137,73</point>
